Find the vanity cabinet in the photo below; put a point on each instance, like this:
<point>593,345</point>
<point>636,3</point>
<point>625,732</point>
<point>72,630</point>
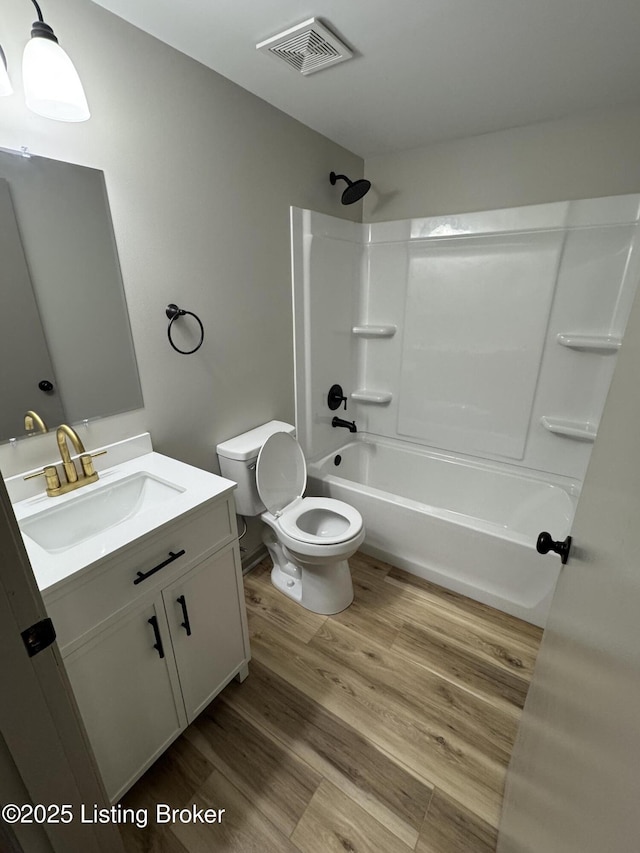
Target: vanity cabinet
<point>147,648</point>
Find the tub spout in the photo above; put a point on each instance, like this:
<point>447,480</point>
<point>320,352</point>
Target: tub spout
<point>339,422</point>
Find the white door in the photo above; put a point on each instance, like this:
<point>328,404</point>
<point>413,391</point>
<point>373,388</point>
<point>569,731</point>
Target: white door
<point>574,781</point>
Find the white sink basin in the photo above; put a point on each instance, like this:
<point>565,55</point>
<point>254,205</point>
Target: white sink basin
<point>77,531</point>
<point>61,527</point>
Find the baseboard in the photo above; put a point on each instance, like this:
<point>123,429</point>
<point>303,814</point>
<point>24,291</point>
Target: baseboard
<point>252,560</point>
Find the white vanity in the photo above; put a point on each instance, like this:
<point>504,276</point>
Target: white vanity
<point>141,575</point>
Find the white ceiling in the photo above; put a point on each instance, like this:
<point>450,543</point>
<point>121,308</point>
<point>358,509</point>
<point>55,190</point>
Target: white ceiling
<point>425,70</point>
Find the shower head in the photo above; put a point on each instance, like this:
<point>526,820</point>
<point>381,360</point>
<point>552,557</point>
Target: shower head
<point>355,189</point>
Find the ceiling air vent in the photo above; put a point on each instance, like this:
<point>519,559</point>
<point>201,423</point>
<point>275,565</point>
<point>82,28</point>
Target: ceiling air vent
<point>308,47</point>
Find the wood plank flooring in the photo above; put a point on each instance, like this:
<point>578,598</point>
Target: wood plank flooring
<point>387,727</point>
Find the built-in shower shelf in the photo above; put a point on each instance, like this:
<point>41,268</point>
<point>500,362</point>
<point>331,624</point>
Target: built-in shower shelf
<point>364,395</point>
<point>591,343</point>
<point>577,430</point>
<point>368,331</point>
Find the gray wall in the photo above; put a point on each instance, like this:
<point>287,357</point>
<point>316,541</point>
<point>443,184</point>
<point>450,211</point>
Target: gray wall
<point>586,156</point>
<point>200,176</point>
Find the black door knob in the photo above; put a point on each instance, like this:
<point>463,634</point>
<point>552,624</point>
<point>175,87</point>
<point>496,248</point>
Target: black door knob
<point>45,385</point>
<point>545,544</point>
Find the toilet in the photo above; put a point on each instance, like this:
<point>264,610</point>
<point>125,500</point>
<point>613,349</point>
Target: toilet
<point>309,539</point>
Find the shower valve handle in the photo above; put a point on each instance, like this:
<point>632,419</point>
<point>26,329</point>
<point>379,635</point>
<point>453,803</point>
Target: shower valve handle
<point>336,397</point>
<point>545,544</point>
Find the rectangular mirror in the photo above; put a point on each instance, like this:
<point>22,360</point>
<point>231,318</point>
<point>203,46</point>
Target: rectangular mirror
<point>66,349</point>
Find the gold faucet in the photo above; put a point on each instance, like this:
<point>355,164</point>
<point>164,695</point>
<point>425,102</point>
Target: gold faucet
<point>62,433</point>
<point>73,479</point>
<point>32,420</point>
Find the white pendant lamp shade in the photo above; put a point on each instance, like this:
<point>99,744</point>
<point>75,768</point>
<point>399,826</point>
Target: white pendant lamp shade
<point>5,83</point>
<point>52,87</point>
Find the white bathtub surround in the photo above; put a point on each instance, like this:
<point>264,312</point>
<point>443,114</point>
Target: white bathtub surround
<point>488,336</point>
<point>463,332</point>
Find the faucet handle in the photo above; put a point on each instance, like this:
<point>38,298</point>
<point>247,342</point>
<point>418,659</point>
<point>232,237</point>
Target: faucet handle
<point>336,398</point>
<point>50,472</point>
<point>86,460</point>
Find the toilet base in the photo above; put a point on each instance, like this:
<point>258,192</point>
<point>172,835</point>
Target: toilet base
<point>292,587</point>
<point>325,588</point>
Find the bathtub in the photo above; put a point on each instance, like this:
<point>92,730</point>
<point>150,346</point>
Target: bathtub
<point>469,526</point>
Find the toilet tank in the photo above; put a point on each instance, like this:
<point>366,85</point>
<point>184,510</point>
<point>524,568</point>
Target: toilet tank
<point>238,457</point>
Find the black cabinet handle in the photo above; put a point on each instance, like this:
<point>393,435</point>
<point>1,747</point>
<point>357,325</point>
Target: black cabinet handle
<point>142,576</point>
<point>156,631</point>
<point>545,544</point>
<point>185,614</point>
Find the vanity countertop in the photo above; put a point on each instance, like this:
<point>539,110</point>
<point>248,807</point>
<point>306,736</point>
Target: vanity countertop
<point>178,489</point>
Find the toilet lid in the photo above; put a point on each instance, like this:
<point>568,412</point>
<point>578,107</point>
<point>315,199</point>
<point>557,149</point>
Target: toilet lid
<point>281,472</point>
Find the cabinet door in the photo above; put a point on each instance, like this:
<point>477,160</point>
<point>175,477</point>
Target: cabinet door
<point>206,619</point>
<point>128,694</point>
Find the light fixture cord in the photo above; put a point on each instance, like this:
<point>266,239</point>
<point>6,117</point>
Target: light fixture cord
<point>39,11</point>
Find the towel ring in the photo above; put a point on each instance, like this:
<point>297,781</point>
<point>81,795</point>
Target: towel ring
<point>173,312</point>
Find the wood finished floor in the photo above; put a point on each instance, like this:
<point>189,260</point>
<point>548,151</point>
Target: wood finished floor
<point>385,728</point>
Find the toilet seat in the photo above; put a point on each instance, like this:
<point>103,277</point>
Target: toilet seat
<point>320,521</point>
<point>281,477</point>
<point>281,472</point>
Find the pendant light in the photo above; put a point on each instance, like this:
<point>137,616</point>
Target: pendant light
<point>52,87</point>
<point>5,82</point>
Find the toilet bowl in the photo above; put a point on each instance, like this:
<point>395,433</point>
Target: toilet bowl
<point>309,539</point>
<point>316,535</point>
